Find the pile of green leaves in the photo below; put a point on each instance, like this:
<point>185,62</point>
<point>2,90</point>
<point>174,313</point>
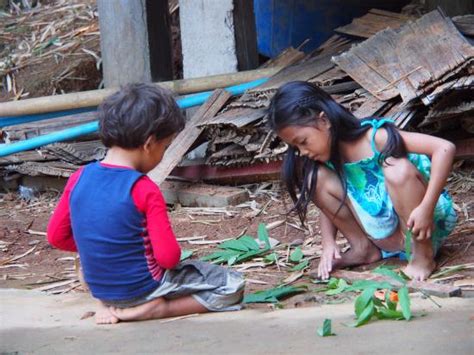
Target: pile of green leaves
<point>367,305</point>
<point>241,249</point>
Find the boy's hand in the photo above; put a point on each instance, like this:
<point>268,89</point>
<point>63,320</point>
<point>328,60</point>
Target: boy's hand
<point>330,252</point>
<point>421,222</point>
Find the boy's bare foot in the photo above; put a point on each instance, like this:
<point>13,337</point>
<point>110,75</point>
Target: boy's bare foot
<point>422,264</point>
<point>104,316</point>
<point>151,310</point>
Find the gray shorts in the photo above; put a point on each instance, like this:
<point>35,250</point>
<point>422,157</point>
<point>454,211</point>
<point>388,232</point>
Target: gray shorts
<point>215,287</point>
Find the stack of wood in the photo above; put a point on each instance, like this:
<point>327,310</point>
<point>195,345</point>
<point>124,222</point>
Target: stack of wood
<point>418,73</point>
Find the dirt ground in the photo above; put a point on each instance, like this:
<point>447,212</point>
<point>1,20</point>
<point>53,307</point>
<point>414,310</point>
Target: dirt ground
<point>27,261</point>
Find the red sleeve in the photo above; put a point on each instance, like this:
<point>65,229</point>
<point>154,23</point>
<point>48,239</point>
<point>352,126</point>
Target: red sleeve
<point>149,200</point>
<point>59,226</point>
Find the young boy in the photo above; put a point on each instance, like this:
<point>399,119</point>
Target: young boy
<point>115,217</point>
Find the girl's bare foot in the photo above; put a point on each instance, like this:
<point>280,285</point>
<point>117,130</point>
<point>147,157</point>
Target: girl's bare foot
<point>150,310</point>
<point>104,315</point>
<point>422,263</point>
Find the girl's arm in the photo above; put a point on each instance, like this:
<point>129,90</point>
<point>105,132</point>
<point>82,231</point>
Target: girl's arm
<point>441,152</point>
<point>330,248</point>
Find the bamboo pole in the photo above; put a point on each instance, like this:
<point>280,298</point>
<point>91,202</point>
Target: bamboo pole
<point>95,97</point>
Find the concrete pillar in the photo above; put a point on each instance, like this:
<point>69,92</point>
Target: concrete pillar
<point>207,37</point>
<point>135,41</point>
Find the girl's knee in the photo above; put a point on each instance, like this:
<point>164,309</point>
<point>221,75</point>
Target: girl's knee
<point>399,171</point>
<point>327,183</point>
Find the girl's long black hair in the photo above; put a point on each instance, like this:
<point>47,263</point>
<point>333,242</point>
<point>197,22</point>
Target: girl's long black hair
<point>299,103</point>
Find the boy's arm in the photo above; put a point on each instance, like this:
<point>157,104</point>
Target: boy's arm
<point>150,201</point>
<point>59,227</point>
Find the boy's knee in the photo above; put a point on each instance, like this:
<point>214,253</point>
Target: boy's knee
<point>398,171</point>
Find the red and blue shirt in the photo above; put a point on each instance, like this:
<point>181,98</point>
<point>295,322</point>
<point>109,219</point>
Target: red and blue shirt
<point>116,218</point>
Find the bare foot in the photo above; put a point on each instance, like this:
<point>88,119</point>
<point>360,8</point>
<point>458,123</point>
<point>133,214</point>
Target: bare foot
<point>422,264</point>
<point>150,310</point>
<point>104,315</point>
<point>365,253</point>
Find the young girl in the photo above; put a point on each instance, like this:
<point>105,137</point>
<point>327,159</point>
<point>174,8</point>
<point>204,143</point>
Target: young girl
<point>115,217</point>
<point>391,183</point>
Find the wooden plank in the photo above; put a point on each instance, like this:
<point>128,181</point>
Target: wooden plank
<point>429,288</point>
<point>186,138</point>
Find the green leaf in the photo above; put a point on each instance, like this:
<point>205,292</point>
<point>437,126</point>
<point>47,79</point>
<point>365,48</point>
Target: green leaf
<point>271,258</point>
<point>325,330</point>
<point>250,254</point>
<point>263,235</point>
<point>363,300</point>
<point>385,313</point>
<point>341,287</point>
<point>390,273</point>
<point>333,282</point>
<point>404,300</point>
<point>366,314</point>
<point>296,255</point>
<point>220,254</point>
<point>302,265</point>
<point>249,242</point>
<point>273,295</point>
<point>185,254</point>
<point>234,245</point>
<point>232,260</point>
<point>408,237</point>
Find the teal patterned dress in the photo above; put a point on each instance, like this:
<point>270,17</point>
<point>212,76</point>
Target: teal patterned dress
<point>369,196</point>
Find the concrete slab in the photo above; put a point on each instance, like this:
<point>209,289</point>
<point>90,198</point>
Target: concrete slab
<point>202,195</point>
<point>35,323</point>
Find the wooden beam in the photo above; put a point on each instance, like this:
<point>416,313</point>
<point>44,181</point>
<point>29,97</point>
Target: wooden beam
<point>186,138</point>
<point>95,97</point>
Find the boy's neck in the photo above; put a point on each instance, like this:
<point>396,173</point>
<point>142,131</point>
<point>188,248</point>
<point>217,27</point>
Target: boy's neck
<point>123,157</point>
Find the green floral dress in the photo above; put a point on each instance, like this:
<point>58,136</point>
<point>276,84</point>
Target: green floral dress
<point>369,196</point>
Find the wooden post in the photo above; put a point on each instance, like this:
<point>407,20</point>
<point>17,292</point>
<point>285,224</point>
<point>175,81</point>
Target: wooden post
<point>135,41</point>
<point>245,35</point>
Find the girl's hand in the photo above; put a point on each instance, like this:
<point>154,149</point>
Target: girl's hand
<point>421,222</point>
<point>330,252</point>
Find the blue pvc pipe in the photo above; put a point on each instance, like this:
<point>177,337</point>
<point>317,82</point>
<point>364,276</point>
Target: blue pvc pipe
<point>15,120</point>
<point>88,128</point>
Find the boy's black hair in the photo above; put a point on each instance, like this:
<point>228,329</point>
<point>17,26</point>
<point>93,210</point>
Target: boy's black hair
<point>136,112</point>
<point>299,103</point>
